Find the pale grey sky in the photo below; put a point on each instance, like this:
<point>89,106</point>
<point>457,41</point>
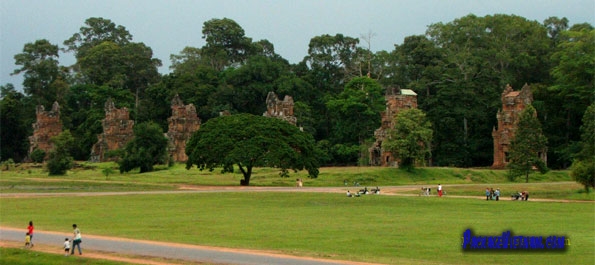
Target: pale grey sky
<point>167,26</point>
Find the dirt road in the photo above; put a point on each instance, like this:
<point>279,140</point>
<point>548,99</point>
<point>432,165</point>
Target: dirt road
<point>101,247</point>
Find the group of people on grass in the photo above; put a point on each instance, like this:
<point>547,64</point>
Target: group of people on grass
<point>76,240</point>
<point>523,196</point>
<point>492,194</point>
<point>363,192</point>
<point>426,191</point>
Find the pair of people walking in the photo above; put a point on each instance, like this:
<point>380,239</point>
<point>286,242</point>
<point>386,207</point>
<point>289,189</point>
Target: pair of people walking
<point>76,242</point>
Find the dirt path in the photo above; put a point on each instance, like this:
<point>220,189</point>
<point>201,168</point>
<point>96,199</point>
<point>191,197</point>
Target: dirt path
<point>388,190</point>
<point>158,253</point>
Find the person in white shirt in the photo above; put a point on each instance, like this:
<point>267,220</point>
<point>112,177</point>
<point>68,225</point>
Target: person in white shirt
<point>76,242</point>
<point>66,246</point>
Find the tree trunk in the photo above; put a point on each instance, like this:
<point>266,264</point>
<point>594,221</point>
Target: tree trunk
<point>247,174</point>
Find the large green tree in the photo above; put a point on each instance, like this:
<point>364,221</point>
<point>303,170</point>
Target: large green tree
<point>146,149</point>
<point>355,114</point>
<point>527,147</point>
<point>226,43</point>
<point>17,113</point>
<point>42,75</point>
<point>583,167</point>
<point>410,140</point>
<point>96,31</point>
<point>249,141</point>
<point>572,91</point>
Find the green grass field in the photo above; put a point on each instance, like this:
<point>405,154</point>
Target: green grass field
<point>14,256</point>
<point>384,229</point>
<point>89,177</point>
<point>372,228</point>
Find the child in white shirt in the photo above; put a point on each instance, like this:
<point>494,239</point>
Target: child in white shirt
<point>66,246</point>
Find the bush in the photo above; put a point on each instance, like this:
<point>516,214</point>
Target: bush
<point>59,164</point>
<point>60,159</point>
<point>38,155</point>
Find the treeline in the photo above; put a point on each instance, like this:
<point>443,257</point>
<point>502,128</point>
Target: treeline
<point>458,69</point>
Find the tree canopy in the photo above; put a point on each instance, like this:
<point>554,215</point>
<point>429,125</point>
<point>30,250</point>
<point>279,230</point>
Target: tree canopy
<point>458,69</point>
<point>249,141</point>
<point>583,167</point>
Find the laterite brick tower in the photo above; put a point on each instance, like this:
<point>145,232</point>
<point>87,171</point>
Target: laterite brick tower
<point>47,125</point>
<point>513,103</point>
<point>396,100</point>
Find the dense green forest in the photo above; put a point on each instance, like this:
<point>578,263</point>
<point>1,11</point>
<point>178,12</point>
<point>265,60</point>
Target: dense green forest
<point>458,69</point>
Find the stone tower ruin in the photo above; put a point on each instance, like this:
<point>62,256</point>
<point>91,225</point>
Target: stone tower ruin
<point>280,109</point>
<point>183,122</point>
<point>47,125</point>
<point>513,103</point>
<point>117,131</point>
<point>396,100</point>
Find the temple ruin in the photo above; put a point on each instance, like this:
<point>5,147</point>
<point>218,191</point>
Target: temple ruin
<point>280,109</point>
<point>513,103</point>
<point>182,124</point>
<point>117,132</point>
<point>47,125</point>
<point>396,100</point>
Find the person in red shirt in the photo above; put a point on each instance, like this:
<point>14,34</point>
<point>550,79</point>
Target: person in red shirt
<point>30,229</point>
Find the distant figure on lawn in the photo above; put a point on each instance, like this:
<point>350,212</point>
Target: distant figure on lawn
<point>525,196</point>
<point>77,240</point>
<point>439,190</point>
<point>349,194</point>
<point>488,194</point>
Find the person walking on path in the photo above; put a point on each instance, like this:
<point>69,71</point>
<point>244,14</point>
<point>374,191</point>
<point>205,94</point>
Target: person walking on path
<point>27,241</point>
<point>439,190</point>
<point>77,240</point>
<point>66,246</point>
<point>30,231</point>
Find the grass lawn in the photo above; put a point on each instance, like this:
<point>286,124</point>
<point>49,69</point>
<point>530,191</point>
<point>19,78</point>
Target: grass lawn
<point>382,229</point>
<point>17,256</point>
<point>90,177</point>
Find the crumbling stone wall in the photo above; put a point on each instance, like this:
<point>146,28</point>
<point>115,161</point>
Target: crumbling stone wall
<point>280,109</point>
<point>47,125</point>
<point>181,125</point>
<point>396,100</point>
<point>117,131</point>
<point>513,103</point>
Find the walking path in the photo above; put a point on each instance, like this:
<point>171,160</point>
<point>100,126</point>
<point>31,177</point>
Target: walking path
<point>102,244</point>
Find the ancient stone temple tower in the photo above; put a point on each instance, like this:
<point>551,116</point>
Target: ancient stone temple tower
<point>48,125</point>
<point>117,131</point>
<point>183,122</point>
<point>280,109</point>
<point>513,103</point>
<point>396,100</point>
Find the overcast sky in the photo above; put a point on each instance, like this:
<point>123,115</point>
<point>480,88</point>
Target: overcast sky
<point>169,26</point>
